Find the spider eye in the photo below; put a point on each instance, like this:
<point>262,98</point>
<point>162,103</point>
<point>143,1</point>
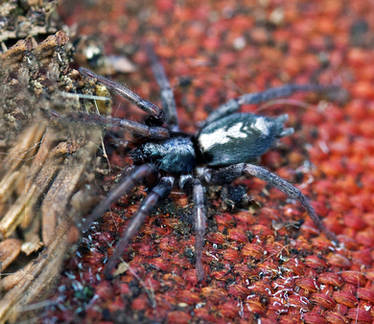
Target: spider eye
<point>153,121</point>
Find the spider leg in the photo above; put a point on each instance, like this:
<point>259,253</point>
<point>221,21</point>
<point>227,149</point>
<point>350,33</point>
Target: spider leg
<point>228,174</point>
<point>125,92</point>
<point>160,191</point>
<point>151,132</point>
<point>167,95</point>
<point>200,225</point>
<point>234,105</point>
<point>122,189</point>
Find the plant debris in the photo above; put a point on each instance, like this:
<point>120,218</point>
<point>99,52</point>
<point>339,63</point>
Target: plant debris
<point>47,167</point>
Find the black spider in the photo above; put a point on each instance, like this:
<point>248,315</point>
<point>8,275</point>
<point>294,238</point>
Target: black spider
<point>217,154</point>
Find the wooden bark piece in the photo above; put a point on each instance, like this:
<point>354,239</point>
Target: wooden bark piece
<point>44,163</point>
<point>40,274</point>
<point>9,250</point>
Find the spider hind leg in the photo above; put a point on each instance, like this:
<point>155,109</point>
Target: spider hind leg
<point>228,174</point>
<point>160,191</point>
<point>292,192</point>
<point>234,105</point>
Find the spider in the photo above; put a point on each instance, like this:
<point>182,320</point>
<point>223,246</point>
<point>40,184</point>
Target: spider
<point>223,149</point>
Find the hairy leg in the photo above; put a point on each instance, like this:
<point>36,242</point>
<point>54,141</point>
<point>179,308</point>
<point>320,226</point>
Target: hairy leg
<point>167,94</point>
<point>160,191</point>
<point>131,126</point>
<point>230,173</point>
<point>234,105</point>
<point>122,189</point>
<point>125,92</point>
<point>200,225</point>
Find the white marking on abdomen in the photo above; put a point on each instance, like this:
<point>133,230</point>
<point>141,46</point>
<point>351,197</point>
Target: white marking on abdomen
<point>221,136</point>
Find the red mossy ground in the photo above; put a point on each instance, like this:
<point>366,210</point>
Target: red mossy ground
<point>227,48</point>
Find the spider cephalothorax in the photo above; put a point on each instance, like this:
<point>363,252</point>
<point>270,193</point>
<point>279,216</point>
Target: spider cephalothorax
<point>218,153</point>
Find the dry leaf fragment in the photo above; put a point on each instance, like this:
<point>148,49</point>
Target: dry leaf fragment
<point>9,250</point>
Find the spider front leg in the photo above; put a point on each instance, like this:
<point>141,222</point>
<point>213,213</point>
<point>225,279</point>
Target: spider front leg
<point>125,92</point>
<point>159,192</point>
<point>167,95</point>
<point>234,105</point>
<point>230,173</point>
<point>135,128</point>
<point>122,189</point>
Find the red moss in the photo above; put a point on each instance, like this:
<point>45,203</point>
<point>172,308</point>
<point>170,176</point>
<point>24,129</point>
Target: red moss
<point>366,237</point>
<point>323,300</point>
<point>338,260</point>
<point>315,262</point>
<point>330,278</point>
<point>363,257</point>
<point>213,294</point>
<point>232,255</point>
<point>354,277</point>
<point>253,250</point>
<point>217,238</point>
<point>229,309</point>
<point>237,234</point>
<point>255,306</point>
<point>178,317</point>
<point>140,303</point>
<point>308,284</point>
<point>205,314</point>
<point>188,297</point>
<point>345,298</point>
<point>366,294</point>
<point>314,318</point>
<point>359,315</point>
<point>335,318</point>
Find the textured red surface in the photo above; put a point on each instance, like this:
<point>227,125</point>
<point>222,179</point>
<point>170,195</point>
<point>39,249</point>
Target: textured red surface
<point>227,48</point>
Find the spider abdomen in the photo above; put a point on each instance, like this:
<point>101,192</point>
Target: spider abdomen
<point>240,137</point>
